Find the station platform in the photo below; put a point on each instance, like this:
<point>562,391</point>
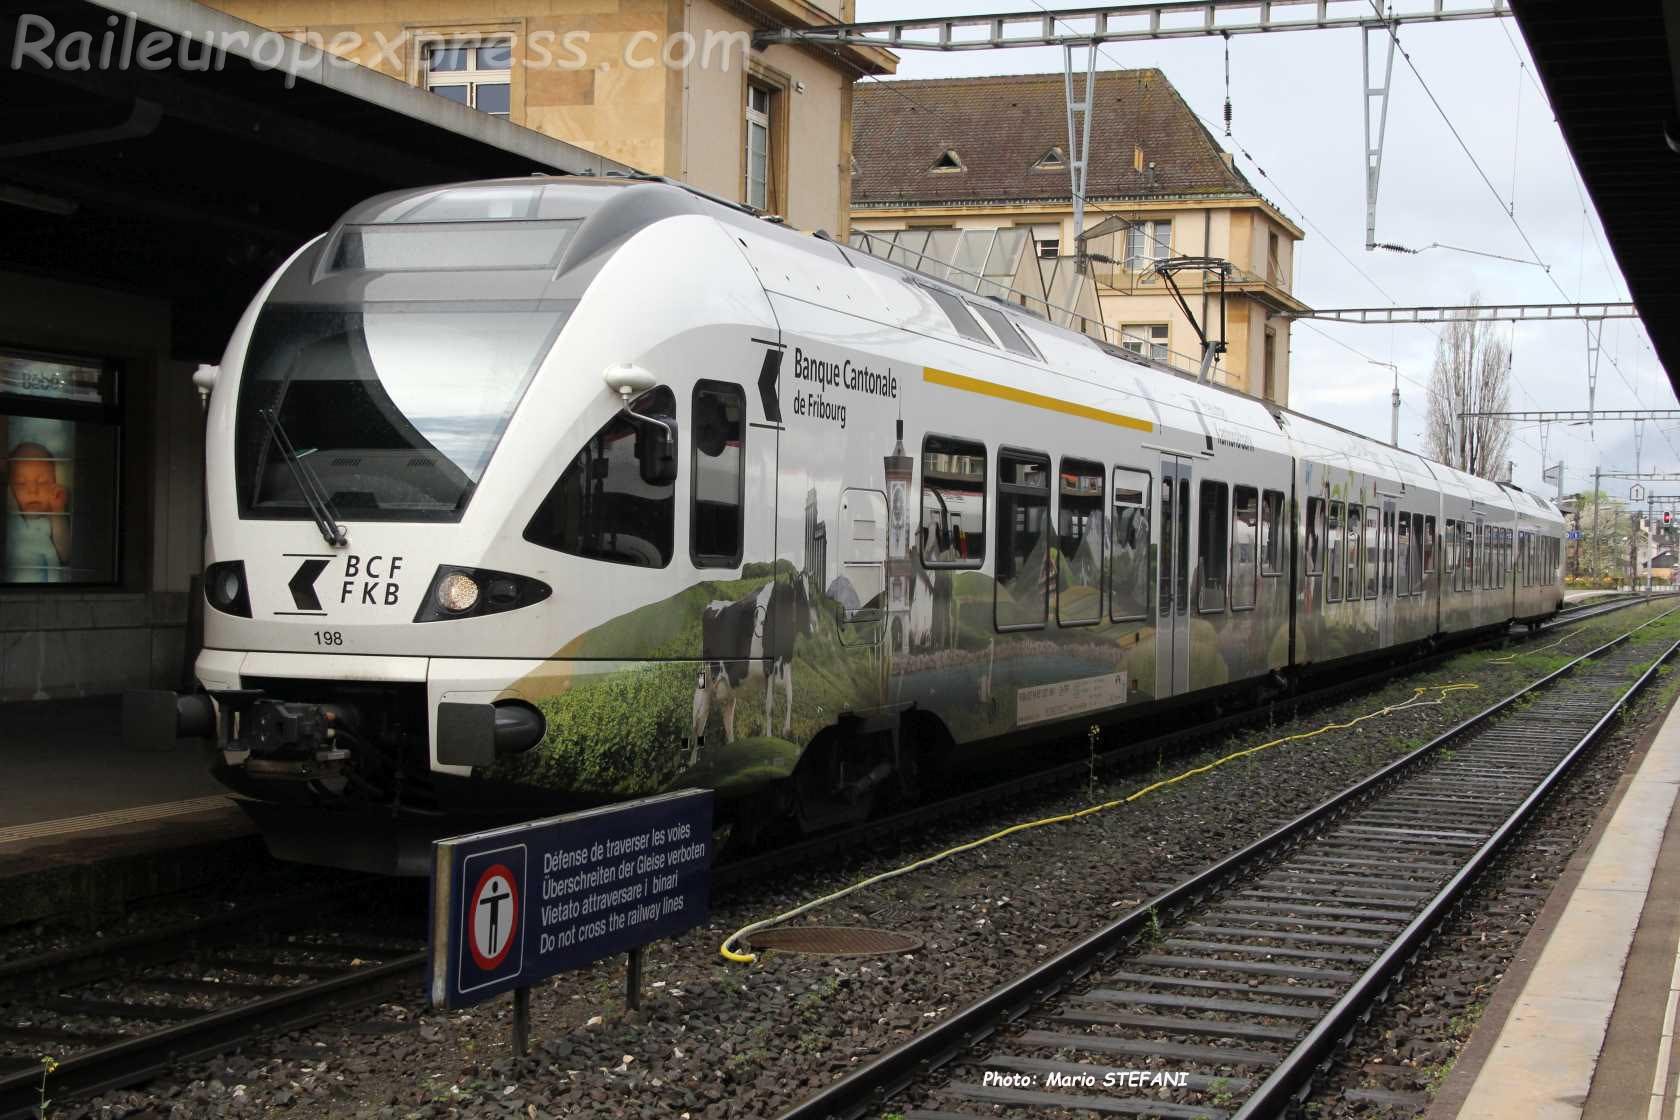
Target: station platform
<point>1583,1024</point>
<point>87,824</point>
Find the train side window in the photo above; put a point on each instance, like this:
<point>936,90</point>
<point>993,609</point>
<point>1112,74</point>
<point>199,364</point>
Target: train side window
<point>1005,329</point>
<point>1213,547</point>
<point>1418,567</point>
<point>1079,524</point>
<point>1429,543</point>
<point>616,499</point>
<point>1128,565</point>
<point>1315,536</point>
<point>1403,557</point>
<point>1333,539</point>
<point>1245,539</point>
<point>1388,553</point>
<point>1449,554</point>
<point>953,529</point>
<point>1371,552</point>
<point>958,314</point>
<point>1271,533</point>
<point>1021,594</point>
<point>1351,527</point>
<point>720,437</point>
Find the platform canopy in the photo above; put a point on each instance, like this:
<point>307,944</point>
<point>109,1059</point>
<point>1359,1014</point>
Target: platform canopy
<point>194,183</point>
<point>1610,71</point>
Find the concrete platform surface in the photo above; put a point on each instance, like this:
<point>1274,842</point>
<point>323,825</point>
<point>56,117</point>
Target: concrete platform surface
<point>1589,1031</point>
<point>65,758</point>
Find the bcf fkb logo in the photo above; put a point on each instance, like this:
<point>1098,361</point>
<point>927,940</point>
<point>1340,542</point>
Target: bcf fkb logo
<point>492,902</point>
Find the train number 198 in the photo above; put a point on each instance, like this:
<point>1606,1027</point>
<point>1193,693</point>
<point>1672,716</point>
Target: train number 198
<point>329,637</point>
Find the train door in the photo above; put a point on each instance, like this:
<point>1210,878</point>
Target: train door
<point>1172,635</point>
<point>1385,595</point>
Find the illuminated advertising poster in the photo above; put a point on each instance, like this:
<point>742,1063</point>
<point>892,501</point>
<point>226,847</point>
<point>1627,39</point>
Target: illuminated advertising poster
<point>40,479</point>
<point>58,473</point>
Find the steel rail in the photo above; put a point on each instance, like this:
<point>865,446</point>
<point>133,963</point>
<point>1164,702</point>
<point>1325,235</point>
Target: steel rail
<point>872,1086</point>
<point>124,1063</point>
<point>1296,1070</point>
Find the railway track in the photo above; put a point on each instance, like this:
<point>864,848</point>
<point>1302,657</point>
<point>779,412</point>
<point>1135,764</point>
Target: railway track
<point>1222,996</point>
<point>140,1005</point>
<point>124,1011</point>
<point>759,865</point>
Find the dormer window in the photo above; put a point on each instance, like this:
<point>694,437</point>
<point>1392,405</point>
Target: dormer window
<point>948,161</point>
<point>1052,160</point>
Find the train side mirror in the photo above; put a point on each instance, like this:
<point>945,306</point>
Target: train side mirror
<point>656,451</point>
<point>656,437</point>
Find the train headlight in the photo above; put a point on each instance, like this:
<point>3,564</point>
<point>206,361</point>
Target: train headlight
<point>457,593</point>
<point>224,586</point>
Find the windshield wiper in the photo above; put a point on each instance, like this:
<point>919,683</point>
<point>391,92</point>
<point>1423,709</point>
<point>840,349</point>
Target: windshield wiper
<point>314,494</point>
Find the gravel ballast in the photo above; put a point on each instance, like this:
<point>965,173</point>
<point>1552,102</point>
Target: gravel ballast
<point>716,1039</point>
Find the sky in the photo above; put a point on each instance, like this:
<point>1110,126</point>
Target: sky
<point>1297,135</point>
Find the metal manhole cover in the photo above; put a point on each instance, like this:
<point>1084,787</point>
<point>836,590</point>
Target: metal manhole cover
<point>835,941</point>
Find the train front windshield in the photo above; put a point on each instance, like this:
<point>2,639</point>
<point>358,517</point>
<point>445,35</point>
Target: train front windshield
<point>395,388</point>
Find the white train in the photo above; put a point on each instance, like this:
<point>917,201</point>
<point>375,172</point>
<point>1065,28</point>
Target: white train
<point>533,494</point>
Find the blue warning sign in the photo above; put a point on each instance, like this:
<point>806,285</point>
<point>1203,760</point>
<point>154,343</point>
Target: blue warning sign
<point>517,904</point>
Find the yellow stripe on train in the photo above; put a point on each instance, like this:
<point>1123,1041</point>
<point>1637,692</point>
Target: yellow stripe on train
<point>1037,400</point>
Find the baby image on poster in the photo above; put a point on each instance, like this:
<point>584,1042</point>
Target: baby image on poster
<point>38,470</point>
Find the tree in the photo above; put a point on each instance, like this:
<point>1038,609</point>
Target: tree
<point>1472,373</point>
<point>1602,547</point>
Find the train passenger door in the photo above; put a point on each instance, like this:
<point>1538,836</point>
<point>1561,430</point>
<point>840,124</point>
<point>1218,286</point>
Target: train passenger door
<point>1172,632</point>
<point>1385,594</point>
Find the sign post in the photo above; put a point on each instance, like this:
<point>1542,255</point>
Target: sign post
<point>513,906</point>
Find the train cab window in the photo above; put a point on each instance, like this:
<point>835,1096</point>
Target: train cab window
<point>953,529</point>
<point>958,314</point>
<point>720,431</point>
<point>1271,533</point>
<point>1371,552</point>
<point>1352,549</point>
<point>1429,543</point>
<point>1079,530</point>
<point>1245,539</point>
<point>1022,594</point>
<point>1403,557</point>
<point>1333,540</point>
<point>1128,565</point>
<point>1213,547</point>
<point>616,499</point>
<point>1314,549</point>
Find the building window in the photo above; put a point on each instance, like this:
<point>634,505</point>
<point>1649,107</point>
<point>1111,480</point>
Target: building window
<point>477,74</point>
<point>1049,248</point>
<point>59,438</point>
<point>1269,384</point>
<point>1146,339</point>
<point>760,101</point>
<point>1146,243</point>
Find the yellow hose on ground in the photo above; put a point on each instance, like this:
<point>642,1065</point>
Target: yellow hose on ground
<point>1510,657</point>
<point>1416,700</point>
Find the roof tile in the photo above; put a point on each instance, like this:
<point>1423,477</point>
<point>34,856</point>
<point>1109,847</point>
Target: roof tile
<point>1001,126</point>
